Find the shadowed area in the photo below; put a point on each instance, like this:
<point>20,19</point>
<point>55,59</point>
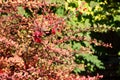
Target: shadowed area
<point>109,56</point>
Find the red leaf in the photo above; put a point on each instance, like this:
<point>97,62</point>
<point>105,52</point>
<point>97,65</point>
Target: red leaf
<point>76,9</point>
<point>1,71</point>
<point>37,33</point>
<point>80,13</point>
<point>37,36</point>
<point>37,39</point>
<point>53,31</point>
<point>76,15</point>
<point>84,9</point>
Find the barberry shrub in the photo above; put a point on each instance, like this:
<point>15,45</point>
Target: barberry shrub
<point>40,40</point>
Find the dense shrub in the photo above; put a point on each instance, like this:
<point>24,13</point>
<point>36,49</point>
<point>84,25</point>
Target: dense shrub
<point>41,40</point>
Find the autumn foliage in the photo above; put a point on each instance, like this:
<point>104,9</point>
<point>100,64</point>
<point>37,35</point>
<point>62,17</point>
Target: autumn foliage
<point>30,38</point>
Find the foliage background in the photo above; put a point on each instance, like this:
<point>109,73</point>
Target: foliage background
<point>59,39</point>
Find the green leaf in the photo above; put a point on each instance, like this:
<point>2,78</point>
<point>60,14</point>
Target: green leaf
<point>117,18</point>
<point>76,70</point>
<point>91,61</point>
<point>24,12</point>
<point>76,45</point>
<point>93,4</point>
<point>60,11</point>
<point>21,11</point>
<point>87,23</point>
